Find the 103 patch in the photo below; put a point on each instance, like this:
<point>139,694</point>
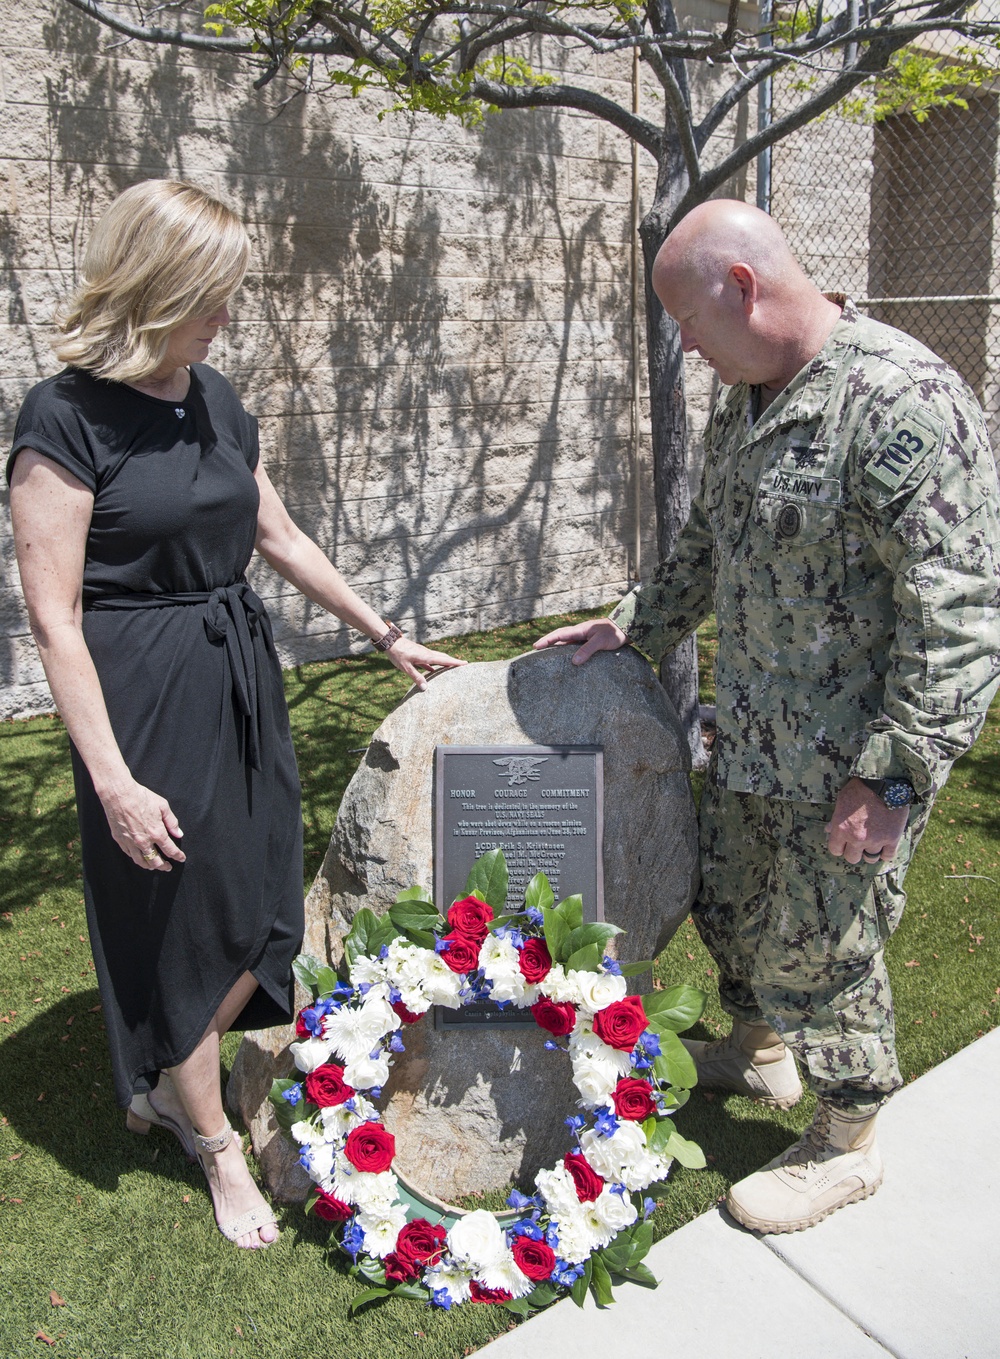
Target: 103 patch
<point>895,455</point>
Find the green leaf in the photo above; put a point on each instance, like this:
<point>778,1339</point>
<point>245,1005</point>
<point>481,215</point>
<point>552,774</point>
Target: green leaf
<point>488,880</point>
<point>410,1290</point>
<point>601,1282</point>
<point>326,981</point>
<point>641,1241</point>
<point>406,918</point>
<point>415,894</point>
<point>424,938</point>
<point>363,928</point>
<point>593,933</point>
<point>306,969</point>
<point>284,1113</point>
<point>367,1295</point>
<point>660,1136</point>
<point>659,1189</point>
<point>519,1306</point>
<point>674,1064</point>
<point>579,1290</point>
<point>688,1153</point>
<point>676,1008</point>
<point>571,910</point>
<point>541,1296</point>
<point>501,920</point>
<point>633,969</point>
<point>641,1274</point>
<point>586,959</point>
<point>557,934</point>
<point>539,893</point>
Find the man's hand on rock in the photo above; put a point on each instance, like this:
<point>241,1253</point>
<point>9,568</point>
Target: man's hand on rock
<point>599,634</point>
<point>863,829</point>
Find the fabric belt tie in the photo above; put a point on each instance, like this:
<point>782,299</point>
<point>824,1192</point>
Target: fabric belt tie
<point>232,612</point>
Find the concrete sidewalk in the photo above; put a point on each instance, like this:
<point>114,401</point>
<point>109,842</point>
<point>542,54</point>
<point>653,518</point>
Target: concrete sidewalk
<point>913,1272</point>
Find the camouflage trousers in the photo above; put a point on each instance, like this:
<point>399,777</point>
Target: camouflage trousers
<point>798,936</point>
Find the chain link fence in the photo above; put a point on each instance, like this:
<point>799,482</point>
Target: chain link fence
<point>901,213</point>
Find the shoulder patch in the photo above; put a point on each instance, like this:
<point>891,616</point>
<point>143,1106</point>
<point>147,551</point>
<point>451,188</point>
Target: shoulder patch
<point>896,452</point>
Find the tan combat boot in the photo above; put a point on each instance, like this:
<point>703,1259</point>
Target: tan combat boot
<point>835,1162</point>
<point>752,1061</point>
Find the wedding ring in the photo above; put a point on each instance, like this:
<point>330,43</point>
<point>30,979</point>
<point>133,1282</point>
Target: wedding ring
<point>150,855</point>
<point>871,858</point>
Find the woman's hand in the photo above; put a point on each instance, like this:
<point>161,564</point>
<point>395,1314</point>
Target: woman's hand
<point>143,826</point>
<point>412,658</point>
<point>598,634</point>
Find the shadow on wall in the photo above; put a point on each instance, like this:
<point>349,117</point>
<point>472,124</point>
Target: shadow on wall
<point>434,335</point>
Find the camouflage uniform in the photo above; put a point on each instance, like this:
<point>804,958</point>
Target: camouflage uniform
<point>849,541</point>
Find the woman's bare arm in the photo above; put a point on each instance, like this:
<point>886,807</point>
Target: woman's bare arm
<point>51,511</point>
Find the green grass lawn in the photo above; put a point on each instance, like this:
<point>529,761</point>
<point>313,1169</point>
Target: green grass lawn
<point>119,1228</point>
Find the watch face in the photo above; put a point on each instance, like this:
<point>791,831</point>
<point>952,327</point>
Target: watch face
<point>897,792</point>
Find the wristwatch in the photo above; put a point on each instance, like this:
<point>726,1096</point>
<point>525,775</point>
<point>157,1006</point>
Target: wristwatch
<point>893,792</point>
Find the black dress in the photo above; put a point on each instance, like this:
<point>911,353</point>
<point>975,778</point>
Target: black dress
<point>187,664</point>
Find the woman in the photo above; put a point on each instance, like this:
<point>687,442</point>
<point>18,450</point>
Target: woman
<point>137,497</point>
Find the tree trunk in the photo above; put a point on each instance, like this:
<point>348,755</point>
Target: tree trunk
<point>679,671</point>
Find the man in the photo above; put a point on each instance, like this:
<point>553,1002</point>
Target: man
<point>847,534</point>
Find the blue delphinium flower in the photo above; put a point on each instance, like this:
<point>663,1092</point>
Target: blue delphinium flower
<point>395,995</point>
<point>509,932</point>
<point>641,1062</point>
<point>383,952</point>
<point>566,1274</point>
<point>576,1123</point>
<point>552,1236</point>
<point>534,914</point>
<point>526,1227</point>
<point>650,1043</point>
<point>375,1093</point>
<point>442,1298</point>
<point>442,945</point>
<point>353,1239</point>
<point>343,990</point>
<point>611,965</point>
<point>619,1189</point>
<point>293,1094</point>
<point>520,1201</point>
<point>605,1123</point>
<point>396,1044</point>
<point>648,1208</point>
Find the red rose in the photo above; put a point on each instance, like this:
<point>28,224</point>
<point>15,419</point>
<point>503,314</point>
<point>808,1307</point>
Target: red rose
<point>420,1243</point>
<point>620,1023</point>
<point>370,1147</point>
<point>331,1209</point>
<point>586,1181</point>
<point>535,960</point>
<point>300,1027</point>
<point>326,1086</point>
<point>558,1017</point>
<point>398,1270</point>
<point>633,1099</point>
<point>480,1293</point>
<point>533,1258</point>
<point>470,916</point>
<point>407,1016</point>
<point>462,953</point>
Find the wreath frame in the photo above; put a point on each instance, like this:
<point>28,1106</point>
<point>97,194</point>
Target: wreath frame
<point>396,966</point>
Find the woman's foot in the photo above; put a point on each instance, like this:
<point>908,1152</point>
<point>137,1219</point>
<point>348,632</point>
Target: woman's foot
<point>242,1214</point>
<point>162,1108</point>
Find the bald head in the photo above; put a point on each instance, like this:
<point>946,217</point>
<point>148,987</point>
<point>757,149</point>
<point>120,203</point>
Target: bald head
<point>726,274</point>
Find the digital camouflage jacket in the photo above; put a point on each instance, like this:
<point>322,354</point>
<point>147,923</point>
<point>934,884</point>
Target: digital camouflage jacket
<point>849,542</point>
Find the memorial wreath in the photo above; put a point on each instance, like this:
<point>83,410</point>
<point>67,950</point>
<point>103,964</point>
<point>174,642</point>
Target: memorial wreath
<point>587,1222</point>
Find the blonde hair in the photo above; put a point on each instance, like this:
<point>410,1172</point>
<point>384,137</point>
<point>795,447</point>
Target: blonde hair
<point>164,253</point>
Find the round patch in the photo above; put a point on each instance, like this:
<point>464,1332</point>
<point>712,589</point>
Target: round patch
<point>789,521</point>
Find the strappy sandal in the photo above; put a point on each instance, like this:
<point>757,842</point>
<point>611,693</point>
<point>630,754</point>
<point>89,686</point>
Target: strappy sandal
<point>141,1116</point>
<point>250,1221</point>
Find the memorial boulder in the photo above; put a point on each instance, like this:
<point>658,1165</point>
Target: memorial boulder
<point>474,1106</point>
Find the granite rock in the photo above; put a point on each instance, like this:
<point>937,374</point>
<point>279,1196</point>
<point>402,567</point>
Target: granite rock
<point>476,1107</point>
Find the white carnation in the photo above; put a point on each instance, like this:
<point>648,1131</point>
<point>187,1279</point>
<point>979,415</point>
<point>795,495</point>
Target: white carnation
<point>382,1228</point>
<point>576,1240</point>
<point>311,1053</point>
<point>599,989</point>
<point>584,1042</point>
<point>367,970</point>
<point>365,1072</point>
<point>504,1273</point>
<point>644,1170</point>
<point>318,1160</point>
<point>560,987</point>
<point>306,1133</point>
<point>558,1189</point>
<point>477,1239</point>
<point>338,1120</point>
<point>439,984</point>
<point>374,1193</point>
